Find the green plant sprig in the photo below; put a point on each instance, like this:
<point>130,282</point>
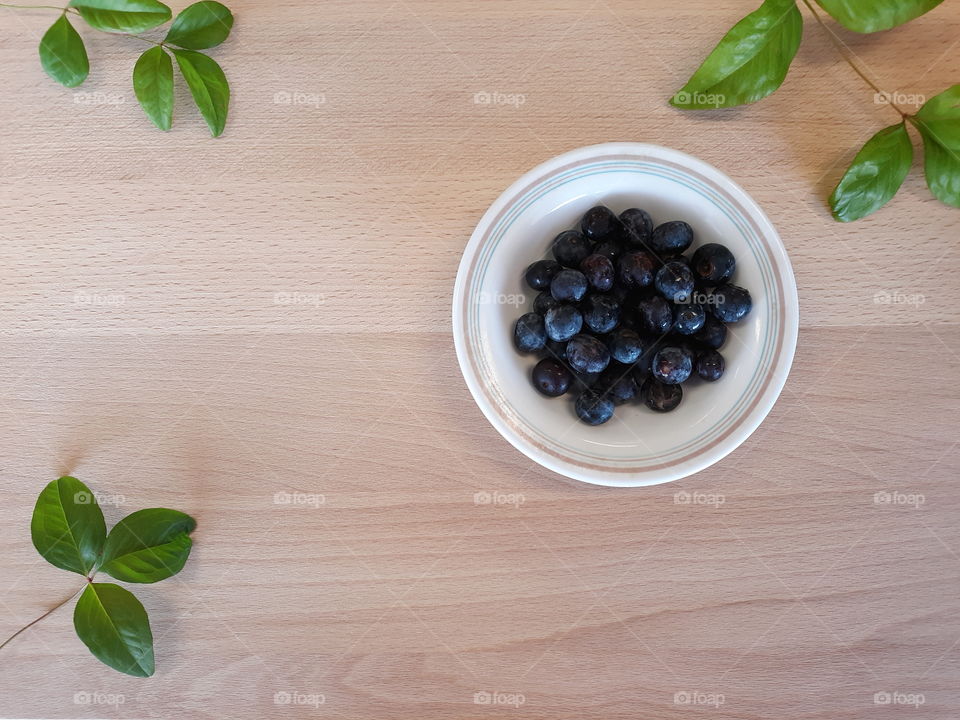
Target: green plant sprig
<point>200,26</point>
<point>147,546</point>
<point>752,59</point>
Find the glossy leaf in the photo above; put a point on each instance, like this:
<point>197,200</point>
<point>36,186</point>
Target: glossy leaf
<point>153,85</point>
<point>126,16</point>
<point>867,16</point>
<point>63,55</point>
<point>208,85</point>
<point>749,63</point>
<point>939,124</point>
<point>202,25</point>
<point>148,545</point>
<point>875,175</point>
<point>112,623</point>
<point>67,526</point>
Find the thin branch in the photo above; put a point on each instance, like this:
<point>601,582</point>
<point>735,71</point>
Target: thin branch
<point>48,612</point>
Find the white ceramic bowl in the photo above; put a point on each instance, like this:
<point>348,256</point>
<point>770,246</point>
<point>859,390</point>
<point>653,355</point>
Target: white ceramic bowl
<point>638,446</point>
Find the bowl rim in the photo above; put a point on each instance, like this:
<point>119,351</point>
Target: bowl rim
<point>748,419</point>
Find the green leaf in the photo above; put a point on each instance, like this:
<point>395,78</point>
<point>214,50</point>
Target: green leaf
<point>939,124</point>
<point>153,85</point>
<point>875,175</point>
<point>148,545</point>
<point>867,16</point>
<point>749,63</point>
<point>123,16</point>
<point>208,85</point>
<point>67,526</point>
<point>200,26</point>
<point>112,623</point>
<point>62,54</point>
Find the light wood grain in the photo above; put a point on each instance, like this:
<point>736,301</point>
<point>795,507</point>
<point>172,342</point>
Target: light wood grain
<point>794,595</point>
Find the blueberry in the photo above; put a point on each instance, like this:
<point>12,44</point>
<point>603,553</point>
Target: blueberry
<point>637,225</point>
<point>599,223</point>
<point>529,333</point>
<point>599,272</point>
<point>601,313</point>
<point>568,285</point>
<point>540,273</point>
<point>618,384</point>
<point>674,281</point>
<point>593,409</point>
<point>713,264</point>
<point>556,350</point>
<point>672,366</point>
<point>636,268</point>
<point>570,248</point>
<point>655,315</point>
<point>731,303</point>
<point>671,238</point>
<point>710,365</point>
<point>610,249</point>
<point>713,333</point>
<point>689,318</point>
<point>625,346</point>
<point>543,302</point>
<point>587,354</point>
<point>562,323</point>
<point>660,397</point>
<point>551,378</point>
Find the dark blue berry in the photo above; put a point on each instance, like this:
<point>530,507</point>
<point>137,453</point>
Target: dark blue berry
<point>688,319</point>
<point>671,238</point>
<point>625,346</point>
<point>587,354</point>
<point>568,286</point>
<point>674,281</point>
<point>583,381</point>
<point>660,397</point>
<point>713,264</point>
<point>636,268</point>
<point>529,334</point>
<point>562,323</point>
<point>655,315</point>
<point>637,226</point>
<point>540,273</point>
<point>710,365</point>
<point>570,248</point>
<point>599,223</point>
<point>610,249</point>
<point>672,366</point>
<point>593,409</point>
<point>551,378</point>
<point>713,333</point>
<point>730,303</point>
<point>601,313</point>
<point>555,350</point>
<point>618,384</point>
<point>598,270</point>
<point>544,302</point>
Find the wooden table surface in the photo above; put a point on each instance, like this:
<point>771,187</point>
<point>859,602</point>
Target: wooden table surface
<point>148,348</point>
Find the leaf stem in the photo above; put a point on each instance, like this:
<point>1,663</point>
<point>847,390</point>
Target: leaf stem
<point>847,55</point>
<point>48,612</point>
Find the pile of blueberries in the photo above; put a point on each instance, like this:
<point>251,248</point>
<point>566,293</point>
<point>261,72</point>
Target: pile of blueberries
<point>622,313</point>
